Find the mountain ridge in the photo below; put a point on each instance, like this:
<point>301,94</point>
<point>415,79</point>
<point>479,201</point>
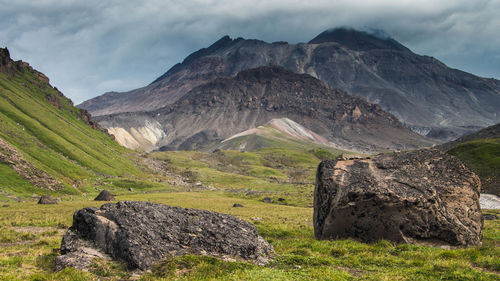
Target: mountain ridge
<point>422,92</point>
<point>223,107</point>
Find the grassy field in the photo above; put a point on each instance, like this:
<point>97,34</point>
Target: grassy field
<point>30,235</point>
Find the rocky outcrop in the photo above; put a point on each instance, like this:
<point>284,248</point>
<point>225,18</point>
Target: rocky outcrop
<point>420,91</point>
<point>409,197</point>
<point>46,200</point>
<point>104,196</point>
<point>37,177</point>
<point>143,233</point>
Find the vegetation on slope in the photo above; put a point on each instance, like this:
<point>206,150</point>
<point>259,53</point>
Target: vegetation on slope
<point>51,134</point>
<point>483,157</point>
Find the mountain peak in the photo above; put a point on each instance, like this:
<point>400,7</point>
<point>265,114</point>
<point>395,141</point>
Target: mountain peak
<point>358,40</point>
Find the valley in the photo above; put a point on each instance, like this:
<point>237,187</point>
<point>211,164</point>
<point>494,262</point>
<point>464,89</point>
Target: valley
<point>224,131</point>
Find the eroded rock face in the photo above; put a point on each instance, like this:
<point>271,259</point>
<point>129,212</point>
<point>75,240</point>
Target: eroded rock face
<point>408,197</point>
<point>142,233</point>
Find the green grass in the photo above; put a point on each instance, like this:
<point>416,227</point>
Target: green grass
<point>483,157</point>
<point>276,172</point>
<point>29,255</point>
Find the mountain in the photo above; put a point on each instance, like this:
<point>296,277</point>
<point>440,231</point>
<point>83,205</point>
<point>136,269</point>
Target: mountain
<point>481,152</point>
<point>46,144</point>
<point>217,110</point>
<point>422,92</point>
<point>275,133</point>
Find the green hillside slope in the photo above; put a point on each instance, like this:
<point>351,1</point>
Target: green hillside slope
<point>481,152</point>
<point>43,134</point>
<point>483,157</point>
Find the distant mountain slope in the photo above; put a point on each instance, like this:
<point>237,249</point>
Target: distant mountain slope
<point>277,132</point>
<point>491,132</point>
<point>481,152</point>
<point>217,110</point>
<point>45,142</point>
<point>420,91</point>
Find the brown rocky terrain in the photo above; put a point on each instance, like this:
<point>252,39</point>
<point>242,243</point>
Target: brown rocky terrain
<point>422,92</point>
<point>212,112</point>
<point>423,196</point>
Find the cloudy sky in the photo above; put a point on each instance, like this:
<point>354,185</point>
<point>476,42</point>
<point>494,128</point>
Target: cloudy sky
<point>90,47</point>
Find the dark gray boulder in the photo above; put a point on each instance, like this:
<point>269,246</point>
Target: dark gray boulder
<point>236,205</point>
<point>142,233</point>
<point>267,200</point>
<point>46,200</point>
<point>104,196</point>
<point>423,196</point>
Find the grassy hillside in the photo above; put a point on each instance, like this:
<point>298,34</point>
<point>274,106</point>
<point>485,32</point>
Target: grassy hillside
<point>52,135</point>
<point>483,157</point>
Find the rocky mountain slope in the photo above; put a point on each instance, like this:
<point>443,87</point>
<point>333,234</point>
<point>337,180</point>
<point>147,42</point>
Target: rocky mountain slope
<point>217,110</point>
<point>276,132</point>
<point>47,144</point>
<point>422,92</point>
<point>481,152</point>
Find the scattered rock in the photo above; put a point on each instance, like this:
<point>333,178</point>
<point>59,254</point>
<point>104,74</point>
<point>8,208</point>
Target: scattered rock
<point>130,189</point>
<point>142,233</point>
<point>104,196</point>
<point>408,197</point>
<point>281,199</point>
<point>47,200</point>
<point>236,205</point>
<point>267,200</point>
<point>5,205</point>
<point>490,217</point>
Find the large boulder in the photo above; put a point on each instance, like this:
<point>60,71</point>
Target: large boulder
<point>422,196</point>
<point>142,233</point>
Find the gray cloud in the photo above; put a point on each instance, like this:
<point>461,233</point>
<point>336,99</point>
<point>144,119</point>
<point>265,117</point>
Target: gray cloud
<point>90,47</point>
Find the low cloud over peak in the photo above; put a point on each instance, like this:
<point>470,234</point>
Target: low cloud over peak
<point>88,48</point>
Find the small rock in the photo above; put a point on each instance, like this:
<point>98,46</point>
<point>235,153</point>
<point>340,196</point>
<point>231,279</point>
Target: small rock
<point>104,196</point>
<point>236,205</point>
<point>46,200</point>
<point>6,205</point>
<point>281,199</point>
<point>267,200</point>
<point>130,189</point>
<point>490,217</point>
